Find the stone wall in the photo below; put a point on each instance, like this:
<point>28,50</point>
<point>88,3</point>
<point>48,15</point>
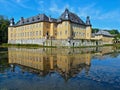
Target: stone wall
<point>51,42</point>
<point>73,43</point>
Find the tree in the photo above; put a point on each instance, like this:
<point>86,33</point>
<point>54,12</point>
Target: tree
<point>95,30</point>
<point>4,23</point>
<point>113,31</point>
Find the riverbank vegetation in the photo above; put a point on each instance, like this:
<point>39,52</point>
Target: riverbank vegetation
<point>40,46</point>
<point>25,45</point>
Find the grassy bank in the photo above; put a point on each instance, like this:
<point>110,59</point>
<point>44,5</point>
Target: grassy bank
<point>25,45</point>
<point>40,46</point>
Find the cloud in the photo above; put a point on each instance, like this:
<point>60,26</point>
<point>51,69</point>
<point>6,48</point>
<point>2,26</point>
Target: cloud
<point>97,13</point>
<point>8,5</point>
<point>23,4</point>
<point>89,10</point>
<point>55,9</point>
<point>41,2</point>
<point>18,1</point>
<point>111,15</point>
<point>12,4</point>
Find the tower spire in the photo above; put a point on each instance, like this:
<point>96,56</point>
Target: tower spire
<point>88,21</point>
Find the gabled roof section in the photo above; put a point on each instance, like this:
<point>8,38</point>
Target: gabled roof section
<point>34,19</point>
<point>53,20</point>
<point>103,32</point>
<point>67,15</point>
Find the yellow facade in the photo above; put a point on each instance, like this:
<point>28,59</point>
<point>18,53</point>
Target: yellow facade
<point>64,30</point>
<point>104,39</point>
<point>88,32</point>
<point>31,31</point>
<point>40,29</point>
<point>24,31</point>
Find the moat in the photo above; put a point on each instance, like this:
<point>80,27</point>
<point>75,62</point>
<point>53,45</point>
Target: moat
<point>96,68</point>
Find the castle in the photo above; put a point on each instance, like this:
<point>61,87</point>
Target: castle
<point>67,30</point>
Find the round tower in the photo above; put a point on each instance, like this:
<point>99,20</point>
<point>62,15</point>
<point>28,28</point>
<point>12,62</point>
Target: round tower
<point>88,28</point>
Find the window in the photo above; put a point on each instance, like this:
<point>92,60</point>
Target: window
<point>60,32</point>
<point>87,34</point>
<point>39,24</point>
<point>22,28</point>
<point>65,23</point>
<point>11,29</point>
<point>75,33</point>
<point>33,33</point>
<point>28,34</point>
<point>37,33</point>
<point>30,27</point>
<point>40,32</point>
<point>36,25</point>
<point>11,35</point>
<point>79,33</point>
<point>55,33</point>
<point>27,27</point>
<point>33,25</point>
<point>65,31</point>
<point>83,34</point>
<point>47,26</point>
<point>55,25</point>
<point>23,34</point>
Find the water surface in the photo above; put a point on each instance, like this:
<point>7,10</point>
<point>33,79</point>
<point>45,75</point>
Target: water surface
<point>59,69</point>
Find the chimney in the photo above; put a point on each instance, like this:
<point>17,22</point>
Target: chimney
<point>22,20</point>
<point>50,18</point>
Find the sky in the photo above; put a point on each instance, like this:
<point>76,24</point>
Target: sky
<point>104,14</point>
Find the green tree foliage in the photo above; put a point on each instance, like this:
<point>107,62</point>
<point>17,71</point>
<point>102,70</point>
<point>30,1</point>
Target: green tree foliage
<point>117,37</point>
<point>4,23</point>
<point>113,31</point>
<point>95,30</point>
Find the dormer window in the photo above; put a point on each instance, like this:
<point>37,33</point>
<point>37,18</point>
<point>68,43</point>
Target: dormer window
<point>22,20</point>
<point>32,19</point>
<point>66,16</point>
<point>27,20</point>
<point>38,18</point>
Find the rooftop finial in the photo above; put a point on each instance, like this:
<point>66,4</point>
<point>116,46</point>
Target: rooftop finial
<point>66,10</point>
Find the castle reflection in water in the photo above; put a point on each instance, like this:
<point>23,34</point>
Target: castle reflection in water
<point>67,62</point>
